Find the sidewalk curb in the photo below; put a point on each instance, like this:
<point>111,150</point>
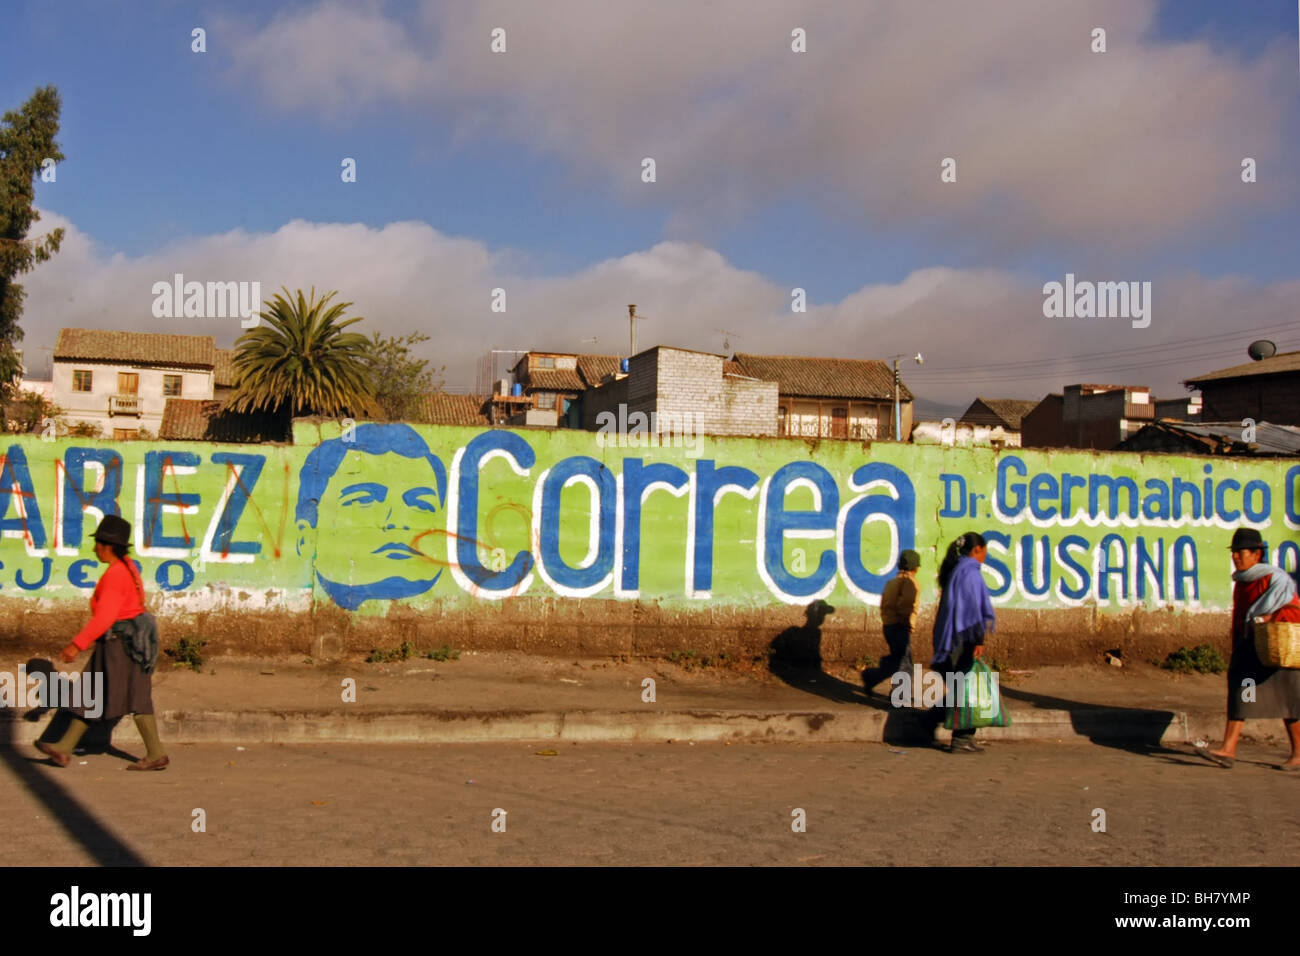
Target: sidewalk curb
<point>859,725</point>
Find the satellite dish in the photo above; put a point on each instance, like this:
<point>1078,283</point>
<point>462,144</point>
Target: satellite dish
<point>1261,349</point>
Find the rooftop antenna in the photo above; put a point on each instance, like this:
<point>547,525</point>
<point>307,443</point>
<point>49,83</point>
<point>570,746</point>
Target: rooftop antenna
<point>592,340</point>
<point>726,342</point>
<point>631,327</point>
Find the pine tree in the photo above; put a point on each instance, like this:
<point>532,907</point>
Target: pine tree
<point>26,142</point>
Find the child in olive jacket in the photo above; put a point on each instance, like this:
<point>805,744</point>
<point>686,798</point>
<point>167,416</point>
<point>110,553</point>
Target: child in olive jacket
<point>898,606</point>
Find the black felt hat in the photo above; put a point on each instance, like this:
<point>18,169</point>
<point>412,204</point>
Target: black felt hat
<point>113,530</point>
<point>1246,539</point>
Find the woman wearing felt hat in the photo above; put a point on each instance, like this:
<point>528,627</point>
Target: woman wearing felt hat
<point>1261,591</point>
<point>126,650</point>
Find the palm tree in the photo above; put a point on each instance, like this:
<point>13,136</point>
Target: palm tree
<point>299,360</point>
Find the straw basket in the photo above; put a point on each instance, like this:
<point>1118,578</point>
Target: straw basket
<point>1278,643</point>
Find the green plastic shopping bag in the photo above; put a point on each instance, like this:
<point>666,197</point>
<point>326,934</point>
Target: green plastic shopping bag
<point>980,703</point>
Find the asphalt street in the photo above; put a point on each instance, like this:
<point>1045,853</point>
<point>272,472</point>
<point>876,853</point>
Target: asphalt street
<point>663,803</point>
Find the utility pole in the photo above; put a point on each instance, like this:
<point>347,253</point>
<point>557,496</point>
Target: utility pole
<point>898,412</point>
<point>898,409</point>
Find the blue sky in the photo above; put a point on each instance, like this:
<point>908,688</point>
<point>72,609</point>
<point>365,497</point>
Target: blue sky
<point>165,146</point>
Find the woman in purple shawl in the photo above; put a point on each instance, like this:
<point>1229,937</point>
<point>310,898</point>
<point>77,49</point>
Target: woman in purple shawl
<point>965,615</point>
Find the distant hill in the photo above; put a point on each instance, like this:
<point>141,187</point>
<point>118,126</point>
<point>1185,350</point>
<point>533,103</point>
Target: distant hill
<point>924,410</point>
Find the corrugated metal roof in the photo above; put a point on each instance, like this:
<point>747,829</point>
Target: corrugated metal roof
<point>1278,364</point>
<point>824,377</point>
<point>1227,438</point>
<point>136,348</point>
<point>1270,438</point>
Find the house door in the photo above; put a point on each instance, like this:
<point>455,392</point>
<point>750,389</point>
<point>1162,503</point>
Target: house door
<point>839,422</point>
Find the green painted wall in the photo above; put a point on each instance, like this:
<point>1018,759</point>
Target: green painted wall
<point>417,515</point>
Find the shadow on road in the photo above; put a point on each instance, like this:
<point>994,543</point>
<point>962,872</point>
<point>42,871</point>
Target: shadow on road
<point>37,774</point>
<point>794,656</point>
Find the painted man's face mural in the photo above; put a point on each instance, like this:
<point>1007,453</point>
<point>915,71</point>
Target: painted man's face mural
<point>384,485</point>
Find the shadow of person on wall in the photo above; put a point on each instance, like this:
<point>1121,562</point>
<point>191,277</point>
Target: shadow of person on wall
<point>794,656</point>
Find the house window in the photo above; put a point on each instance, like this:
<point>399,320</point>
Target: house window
<point>171,386</point>
<point>123,434</point>
<point>81,379</point>
<point>546,400</point>
<point>128,383</point>
<point>781,413</point>
<point>544,361</point>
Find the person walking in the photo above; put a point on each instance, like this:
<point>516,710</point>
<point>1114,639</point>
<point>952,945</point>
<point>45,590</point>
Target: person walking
<point>1267,593</point>
<point>126,649</point>
<point>898,606</point>
<point>965,615</point>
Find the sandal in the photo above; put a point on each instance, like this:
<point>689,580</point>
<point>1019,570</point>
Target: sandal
<point>57,757</point>
<point>1204,753</point>
<point>159,764</point>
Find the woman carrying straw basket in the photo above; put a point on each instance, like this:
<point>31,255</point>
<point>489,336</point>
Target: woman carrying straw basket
<point>1256,689</point>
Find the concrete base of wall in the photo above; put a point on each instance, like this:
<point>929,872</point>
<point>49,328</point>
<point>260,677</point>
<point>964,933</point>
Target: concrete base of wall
<point>603,628</point>
<point>858,726</point>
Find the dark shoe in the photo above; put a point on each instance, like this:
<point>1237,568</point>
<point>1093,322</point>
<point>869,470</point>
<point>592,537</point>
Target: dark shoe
<point>57,757</point>
<point>964,745</point>
<point>159,764</point>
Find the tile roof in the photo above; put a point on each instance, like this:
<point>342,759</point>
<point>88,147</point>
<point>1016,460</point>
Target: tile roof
<point>554,380</point>
<point>593,368</point>
<point>443,409</point>
<point>1009,411</point>
<point>201,419</point>
<point>223,372</point>
<point>824,377</point>
<point>1282,362</point>
<point>137,348</point>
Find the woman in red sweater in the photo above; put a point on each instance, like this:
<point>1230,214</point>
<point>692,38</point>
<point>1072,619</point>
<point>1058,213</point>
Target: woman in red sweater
<point>1256,690</point>
<point>127,687</point>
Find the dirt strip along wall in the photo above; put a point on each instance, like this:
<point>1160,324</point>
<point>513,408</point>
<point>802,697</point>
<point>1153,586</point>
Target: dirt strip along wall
<point>583,543</point>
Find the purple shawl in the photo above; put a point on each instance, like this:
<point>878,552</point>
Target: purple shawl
<point>965,610</point>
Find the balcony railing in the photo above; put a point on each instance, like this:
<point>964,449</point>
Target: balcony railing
<point>124,404</point>
<point>827,428</point>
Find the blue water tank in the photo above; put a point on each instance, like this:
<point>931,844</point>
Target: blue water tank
<point>516,389</point>
<point>622,366</point>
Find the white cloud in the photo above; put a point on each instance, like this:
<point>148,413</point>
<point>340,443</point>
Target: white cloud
<point>1053,141</point>
<point>407,276</point>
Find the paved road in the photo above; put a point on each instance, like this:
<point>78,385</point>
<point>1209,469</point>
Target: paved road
<point>652,804</point>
